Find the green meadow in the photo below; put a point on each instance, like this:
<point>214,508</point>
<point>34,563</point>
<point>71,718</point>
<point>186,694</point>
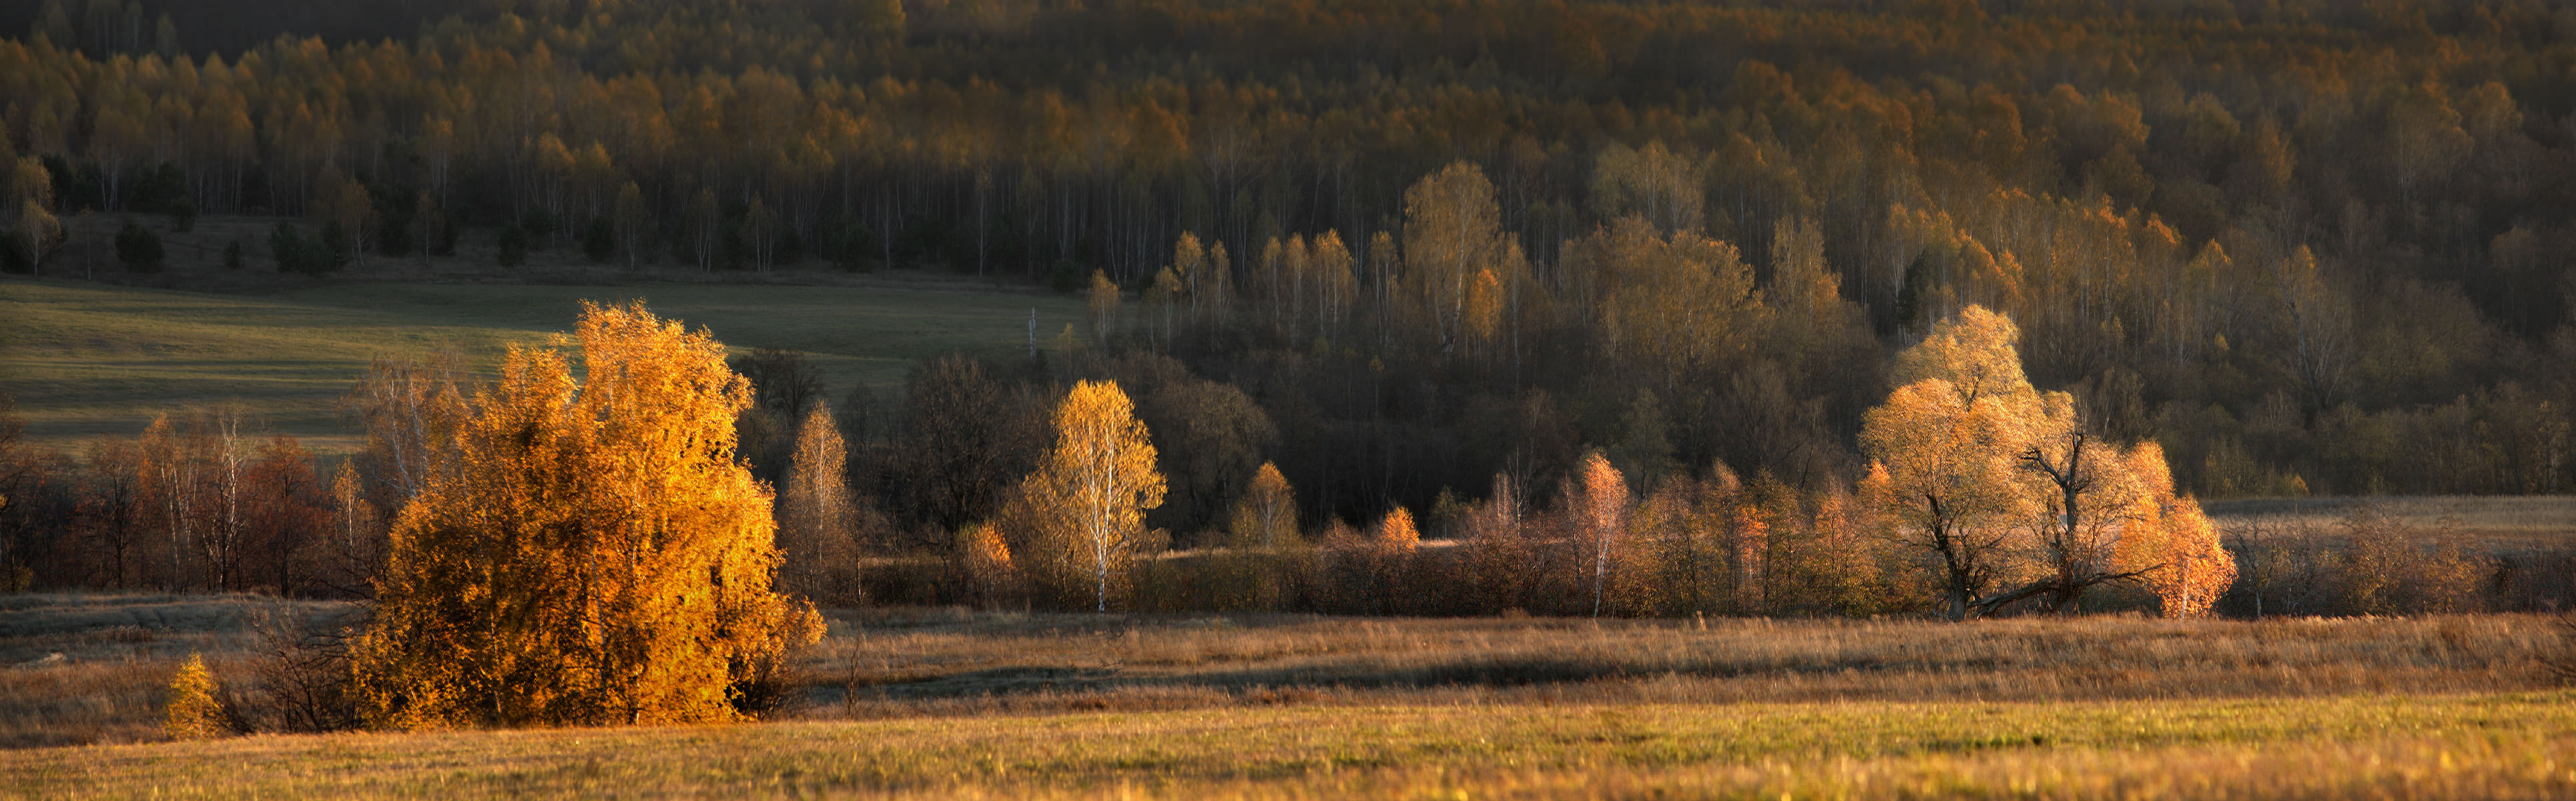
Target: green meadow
<point>83,359</point>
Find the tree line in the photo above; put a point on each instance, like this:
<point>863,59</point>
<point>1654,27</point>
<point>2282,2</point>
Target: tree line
<point>1983,495</point>
<point>2297,244</point>
<point>1397,250</point>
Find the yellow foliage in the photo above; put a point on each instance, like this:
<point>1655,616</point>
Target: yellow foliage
<point>1679,300</point>
<point>1452,234</point>
<point>1598,500</point>
<point>1945,445</point>
<point>2187,566</point>
<point>816,537</point>
<point>194,714</point>
<point>1395,532</point>
<point>987,557</point>
<point>1976,465</point>
<point>1267,515</point>
<point>1089,496</point>
<point>1103,304</point>
<point>586,551</point>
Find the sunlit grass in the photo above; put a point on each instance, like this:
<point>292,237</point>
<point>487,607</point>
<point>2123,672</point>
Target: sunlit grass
<point>84,359</point>
<point>2436,746</point>
<point>897,664</point>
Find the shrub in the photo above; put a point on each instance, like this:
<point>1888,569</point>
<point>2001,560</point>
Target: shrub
<point>539,223</point>
<point>599,241</point>
<point>513,246</point>
<point>138,248</point>
<point>303,675</point>
<point>294,254</point>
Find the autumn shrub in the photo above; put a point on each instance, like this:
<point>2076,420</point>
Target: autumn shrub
<point>587,551</point>
<point>2386,566</point>
<point>993,580</point>
<point>300,674</point>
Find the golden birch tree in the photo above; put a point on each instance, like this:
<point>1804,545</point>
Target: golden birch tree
<point>1266,516</point>
<point>1453,239</point>
<point>585,550</point>
<point>1597,509</point>
<point>1263,533</point>
<point>815,513</point>
<point>1103,305</point>
<point>38,232</point>
<point>2011,488</point>
<point>1091,492</point>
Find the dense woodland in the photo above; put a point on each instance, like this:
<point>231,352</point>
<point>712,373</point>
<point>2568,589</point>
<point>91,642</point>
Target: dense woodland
<point>1428,256</point>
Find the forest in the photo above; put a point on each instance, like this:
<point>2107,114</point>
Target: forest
<point>1439,260</point>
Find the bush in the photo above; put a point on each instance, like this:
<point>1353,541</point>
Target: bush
<point>139,249</point>
<point>233,255</point>
<point>848,243</point>
<point>295,254</point>
<point>13,254</point>
<point>303,674</point>
<point>539,224</point>
<point>514,246</point>
<point>1067,276</point>
<point>337,245</point>
<point>183,215</point>
<point>599,241</point>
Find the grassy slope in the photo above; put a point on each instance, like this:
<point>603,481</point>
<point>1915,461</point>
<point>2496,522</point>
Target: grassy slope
<point>2490,746</point>
<point>84,359</point>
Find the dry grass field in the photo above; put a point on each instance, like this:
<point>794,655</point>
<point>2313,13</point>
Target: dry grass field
<point>2438,746</point>
<point>950,703</point>
<point>2500,522</point>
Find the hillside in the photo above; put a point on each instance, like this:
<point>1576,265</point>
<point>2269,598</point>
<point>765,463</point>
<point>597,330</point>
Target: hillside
<point>85,359</point>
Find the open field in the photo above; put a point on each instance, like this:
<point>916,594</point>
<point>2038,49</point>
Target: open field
<point>85,359</point>
<point>946,703</point>
<point>2436,746</point>
<point>2545,521</point>
<point>906,663</point>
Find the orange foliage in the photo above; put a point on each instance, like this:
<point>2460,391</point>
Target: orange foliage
<point>585,551</point>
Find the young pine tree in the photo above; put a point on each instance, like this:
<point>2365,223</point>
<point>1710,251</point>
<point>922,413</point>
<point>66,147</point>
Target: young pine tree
<point>193,712</point>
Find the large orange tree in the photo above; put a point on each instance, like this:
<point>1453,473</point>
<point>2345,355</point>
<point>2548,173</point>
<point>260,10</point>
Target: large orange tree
<point>2015,494</point>
<point>585,550</point>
